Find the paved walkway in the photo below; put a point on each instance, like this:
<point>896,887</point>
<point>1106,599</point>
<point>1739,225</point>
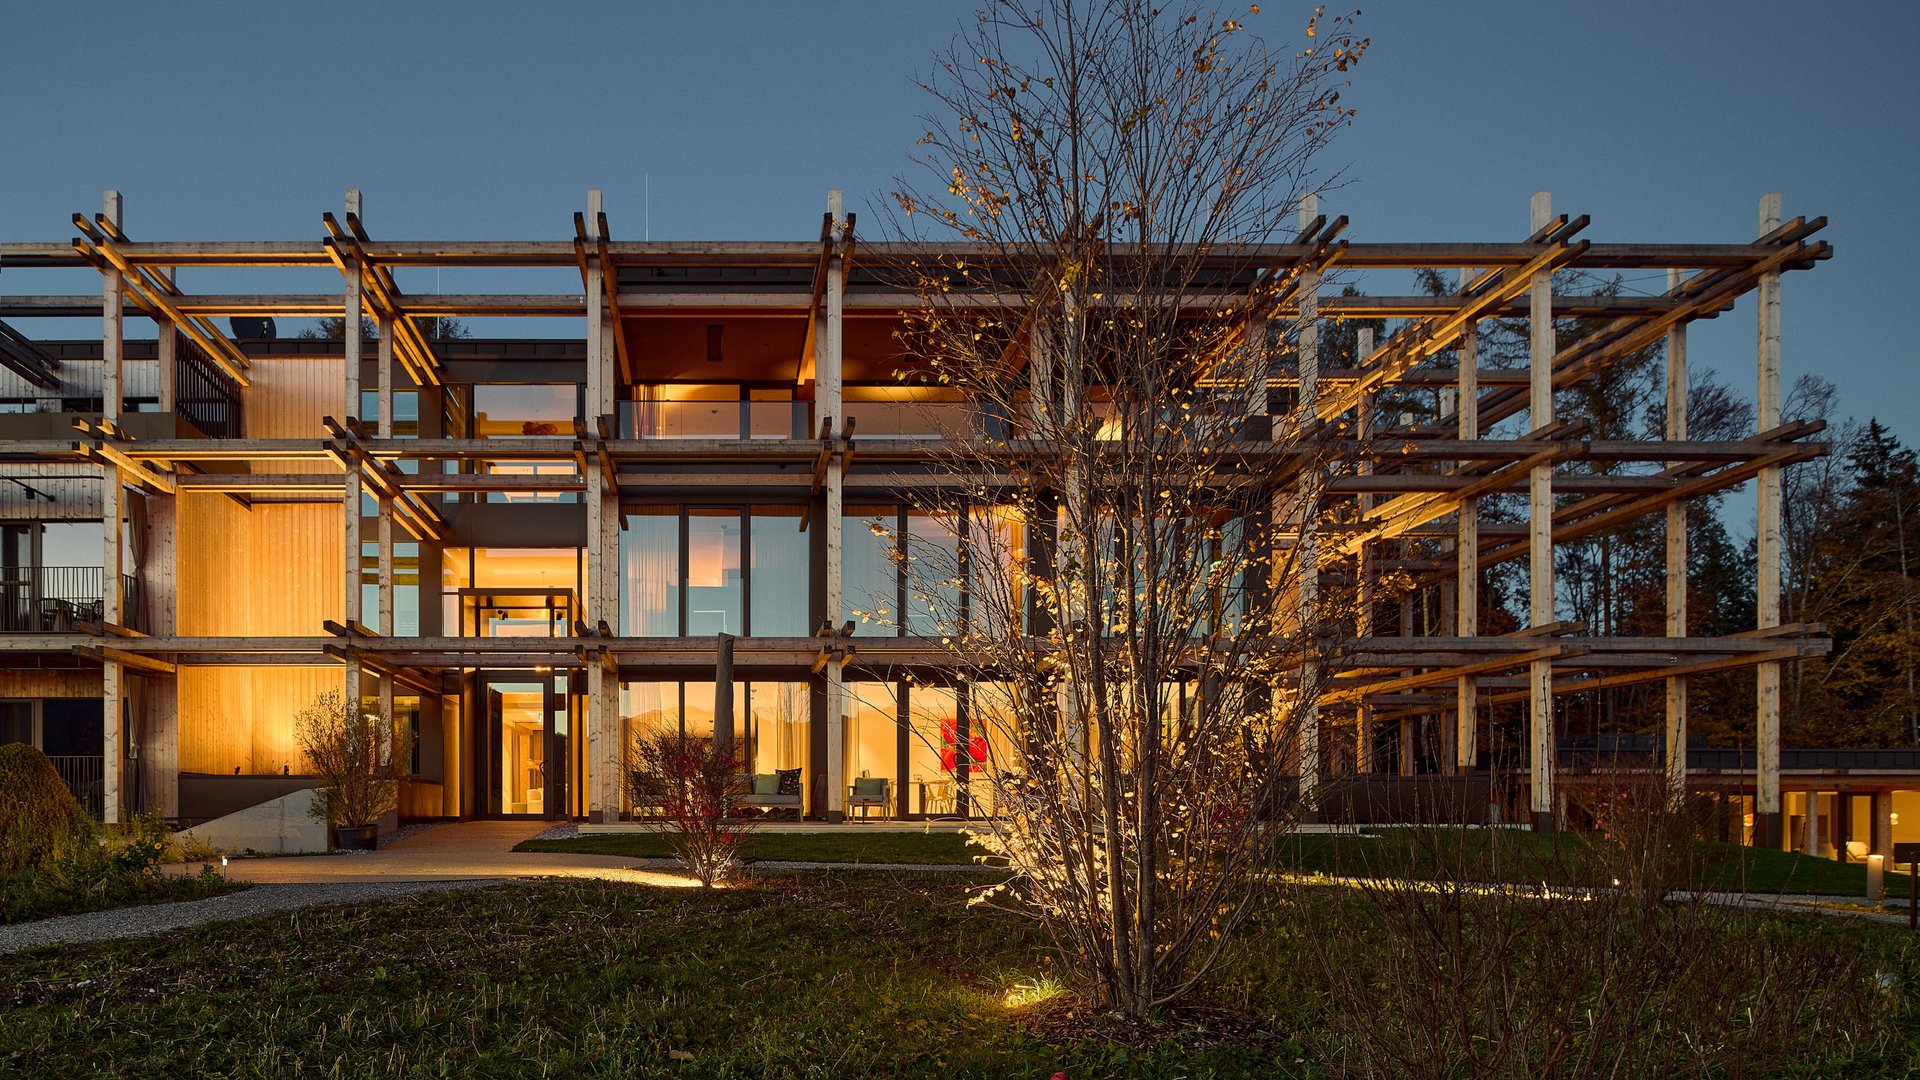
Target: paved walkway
<point>463,850</point>
<point>160,918</point>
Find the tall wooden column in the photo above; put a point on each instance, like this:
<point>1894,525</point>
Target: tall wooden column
<point>112,504</point>
<point>1307,500</point>
<point>1540,532</point>
<point>1466,547</point>
<point>350,496</point>
<point>606,740</point>
<point>828,401</point>
<point>1676,575</point>
<point>383,428</point>
<point>1767,544</point>
<point>1364,599</point>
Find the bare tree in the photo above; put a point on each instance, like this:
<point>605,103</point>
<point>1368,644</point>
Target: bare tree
<point>1129,593</point>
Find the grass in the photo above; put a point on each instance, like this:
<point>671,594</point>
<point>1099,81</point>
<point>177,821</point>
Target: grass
<point>1559,860</point>
<point>1565,859</point>
<point>843,846</point>
<point>822,975</point>
<point>67,890</point>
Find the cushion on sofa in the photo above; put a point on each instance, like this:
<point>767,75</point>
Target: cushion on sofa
<point>766,784</point>
<point>789,781</point>
<point>870,787</point>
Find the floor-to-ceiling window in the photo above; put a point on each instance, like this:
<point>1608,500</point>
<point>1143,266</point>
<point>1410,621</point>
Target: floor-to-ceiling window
<point>510,592</point>
<point>768,730</point>
<point>704,570</point>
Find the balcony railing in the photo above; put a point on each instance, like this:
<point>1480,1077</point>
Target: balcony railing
<point>56,599</point>
<point>85,776</point>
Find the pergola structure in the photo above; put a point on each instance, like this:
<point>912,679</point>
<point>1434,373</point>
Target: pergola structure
<point>808,315</point>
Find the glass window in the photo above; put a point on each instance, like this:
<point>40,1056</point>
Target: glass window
<point>510,592</point>
<point>996,556</point>
<point>934,750</point>
<point>782,573</point>
<point>406,412</point>
<point>649,709</point>
<point>406,587</point>
<point>697,713</point>
<point>932,551</point>
<point>872,732</point>
<point>778,717</point>
<point>869,580</point>
<point>522,412</point>
<point>683,411</point>
<point>650,573</point>
<point>713,572</point>
<point>72,543</point>
<point>773,414</point>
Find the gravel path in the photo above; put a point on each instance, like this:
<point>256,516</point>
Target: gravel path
<point>159,918</point>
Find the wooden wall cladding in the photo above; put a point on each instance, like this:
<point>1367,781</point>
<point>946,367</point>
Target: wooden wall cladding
<point>287,400</point>
<point>242,717</point>
<point>269,571</point>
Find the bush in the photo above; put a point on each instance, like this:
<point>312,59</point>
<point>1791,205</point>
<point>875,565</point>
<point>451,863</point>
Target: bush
<point>40,820</point>
<point>692,791</point>
<point>117,866</point>
<point>358,752</point>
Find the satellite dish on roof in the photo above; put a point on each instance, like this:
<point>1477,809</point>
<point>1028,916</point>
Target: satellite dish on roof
<point>253,329</point>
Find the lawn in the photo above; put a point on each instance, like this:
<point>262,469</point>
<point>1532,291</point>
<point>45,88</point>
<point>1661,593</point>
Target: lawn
<point>822,975</point>
<point>1560,860</point>
<point>849,845</point>
<point>64,890</point>
<point>1569,859</point>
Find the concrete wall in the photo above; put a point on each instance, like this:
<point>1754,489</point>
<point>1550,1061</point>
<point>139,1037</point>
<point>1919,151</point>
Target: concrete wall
<point>282,826</point>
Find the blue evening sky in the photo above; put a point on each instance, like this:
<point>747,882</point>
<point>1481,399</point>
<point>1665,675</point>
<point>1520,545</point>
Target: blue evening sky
<point>1665,122</point>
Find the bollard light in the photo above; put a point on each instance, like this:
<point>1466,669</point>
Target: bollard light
<point>1876,878</point>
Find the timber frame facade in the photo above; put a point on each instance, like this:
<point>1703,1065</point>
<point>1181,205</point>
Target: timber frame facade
<point>267,500</point>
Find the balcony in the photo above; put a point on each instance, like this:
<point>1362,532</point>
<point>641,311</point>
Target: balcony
<point>57,599</point>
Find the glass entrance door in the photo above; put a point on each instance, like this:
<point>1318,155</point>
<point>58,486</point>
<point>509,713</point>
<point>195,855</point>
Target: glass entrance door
<point>531,760</point>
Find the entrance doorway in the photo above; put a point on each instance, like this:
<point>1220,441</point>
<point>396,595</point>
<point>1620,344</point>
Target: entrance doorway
<point>534,765</point>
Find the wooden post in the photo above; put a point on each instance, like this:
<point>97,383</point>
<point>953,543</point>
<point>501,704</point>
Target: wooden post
<point>166,359</point>
<point>604,741</point>
<point>384,407</point>
<point>1767,552</point>
<point>159,760</point>
<point>112,300</point>
<point>1810,833</point>
<point>1363,560</point>
<point>112,509</point>
<point>1308,500</point>
<point>1466,549</point>
<point>350,496</point>
<point>1880,833</point>
<point>1676,569</point>
<point>828,396</point>
<point>1540,532</point>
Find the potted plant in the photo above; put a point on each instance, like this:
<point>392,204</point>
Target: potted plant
<point>360,755</point>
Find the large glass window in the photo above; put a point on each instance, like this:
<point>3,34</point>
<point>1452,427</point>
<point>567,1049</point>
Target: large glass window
<point>650,572</point>
<point>406,587</point>
<point>936,750</point>
<point>932,550</point>
<point>781,575</point>
<point>869,579</point>
<point>872,733</point>
<point>683,411</point>
<point>525,412</point>
<point>713,577</point>
<point>510,592</point>
<point>770,726</point>
<point>996,557</point>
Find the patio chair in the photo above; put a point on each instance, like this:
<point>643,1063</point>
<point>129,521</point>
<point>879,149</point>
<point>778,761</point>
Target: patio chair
<point>868,792</point>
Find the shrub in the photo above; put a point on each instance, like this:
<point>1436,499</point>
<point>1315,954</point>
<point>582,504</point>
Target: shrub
<point>360,754</point>
<point>40,821</point>
<point>690,790</point>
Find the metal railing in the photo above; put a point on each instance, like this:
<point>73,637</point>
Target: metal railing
<point>56,599</point>
<point>85,776</point>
